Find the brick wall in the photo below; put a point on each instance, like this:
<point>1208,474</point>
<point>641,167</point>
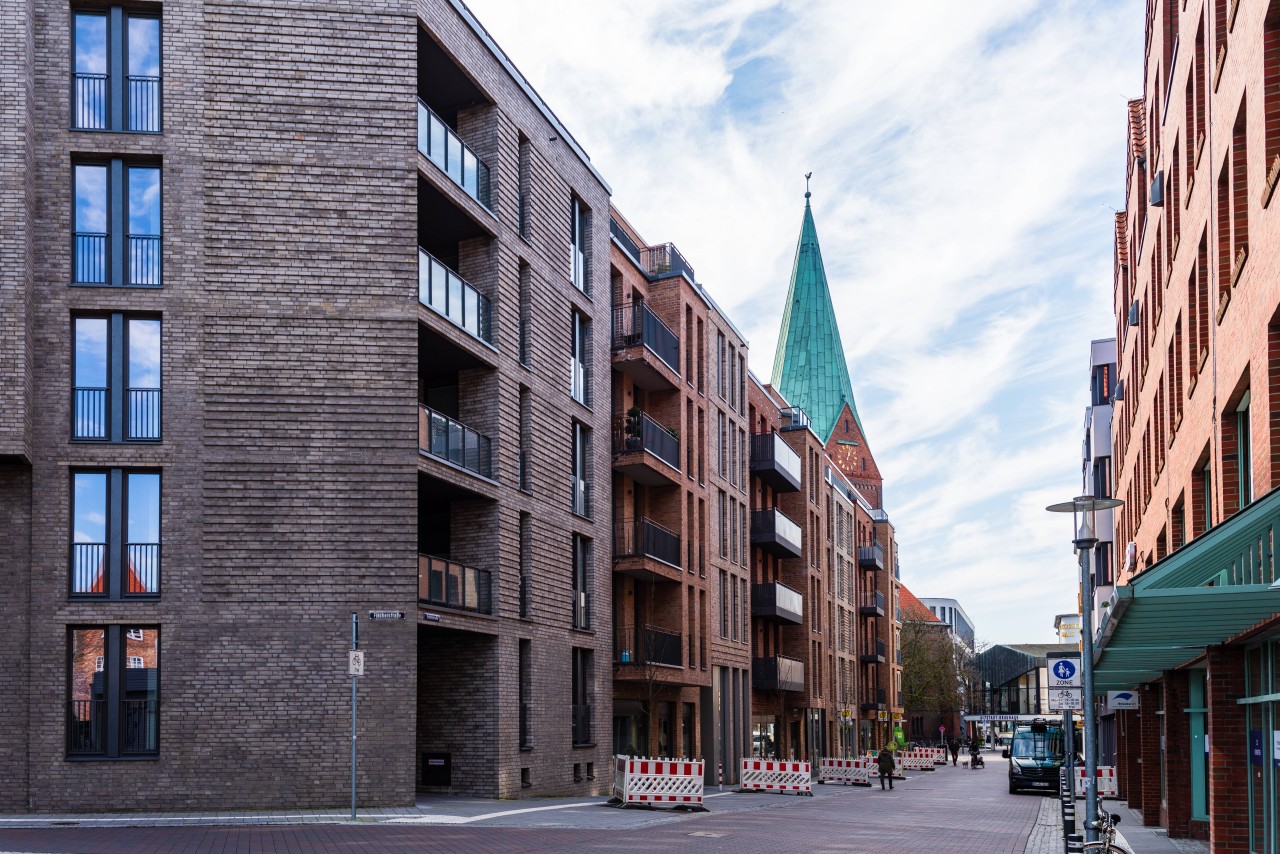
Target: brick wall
<point>1228,751</point>
<point>15,532</point>
<point>1149,745</point>
<point>1176,809</point>
<point>17,176</point>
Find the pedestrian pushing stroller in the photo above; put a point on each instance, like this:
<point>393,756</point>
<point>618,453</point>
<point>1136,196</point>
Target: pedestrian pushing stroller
<point>975,757</point>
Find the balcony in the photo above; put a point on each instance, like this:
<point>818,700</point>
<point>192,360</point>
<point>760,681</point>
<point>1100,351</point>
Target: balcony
<point>446,584</point>
<point>644,549</point>
<point>777,673</point>
<point>874,608</point>
<point>873,702</point>
<point>871,557</point>
<point>664,260</point>
<point>876,656</point>
<point>777,602</point>
<point>449,295</point>
<point>651,654</point>
<point>775,463</point>
<point>645,451</point>
<point>794,418</point>
<point>442,146</point>
<point>451,441</point>
<point>645,348</point>
<point>775,533</point>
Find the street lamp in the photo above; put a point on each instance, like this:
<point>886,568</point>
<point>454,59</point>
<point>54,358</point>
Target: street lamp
<point>1082,510</point>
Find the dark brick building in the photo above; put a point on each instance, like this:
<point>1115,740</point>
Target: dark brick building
<point>288,300</point>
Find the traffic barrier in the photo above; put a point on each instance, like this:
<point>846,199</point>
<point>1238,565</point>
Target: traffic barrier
<point>855,772</point>
<point>775,775</point>
<point>918,760</point>
<point>658,782</point>
<point>939,756</point>
<point>1106,780</point>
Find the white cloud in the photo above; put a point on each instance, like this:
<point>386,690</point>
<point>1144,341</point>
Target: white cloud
<point>966,157</point>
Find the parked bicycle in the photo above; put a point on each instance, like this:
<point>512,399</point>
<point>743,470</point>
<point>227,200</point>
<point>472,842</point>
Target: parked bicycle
<point>1106,827</point>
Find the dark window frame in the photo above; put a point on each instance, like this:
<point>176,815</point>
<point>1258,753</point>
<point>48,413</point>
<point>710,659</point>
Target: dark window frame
<point>117,407</point>
<point>118,254</point>
<point>115,549</point>
<point>111,742</point>
<point>118,101</point>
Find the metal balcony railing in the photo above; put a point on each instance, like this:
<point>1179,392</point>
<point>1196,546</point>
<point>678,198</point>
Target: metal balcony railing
<point>86,727</point>
<point>665,260</point>
<point>777,601</point>
<point>659,646</point>
<point>450,440</point>
<point>645,538</point>
<point>871,557</point>
<point>440,144</point>
<point>144,259</point>
<point>144,413</point>
<point>773,459</point>
<point>636,324</point>
<point>139,726</point>
<point>581,490</point>
<point>777,673</point>
<point>794,418</point>
<point>451,296</point>
<point>642,433</point>
<point>90,109</point>
<point>144,103</point>
<point>89,419</point>
<point>88,568</point>
<point>773,526</point>
<point>581,724</point>
<point>90,262</point>
<point>142,576</point>
<point>874,607</point>
<point>453,585</point>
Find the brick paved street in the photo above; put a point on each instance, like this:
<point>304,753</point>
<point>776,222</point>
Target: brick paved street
<point>947,810</point>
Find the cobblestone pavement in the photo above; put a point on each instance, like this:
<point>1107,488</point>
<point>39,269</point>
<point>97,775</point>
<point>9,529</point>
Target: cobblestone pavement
<point>946,811</point>
<point>1046,836</point>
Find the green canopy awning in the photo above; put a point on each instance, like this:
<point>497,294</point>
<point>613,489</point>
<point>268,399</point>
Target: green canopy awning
<point>1205,593</point>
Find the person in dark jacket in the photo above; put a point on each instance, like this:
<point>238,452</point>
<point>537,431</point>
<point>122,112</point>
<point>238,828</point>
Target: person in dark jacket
<point>885,763</point>
<point>954,746</point>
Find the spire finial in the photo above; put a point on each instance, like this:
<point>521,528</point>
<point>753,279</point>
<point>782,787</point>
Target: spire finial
<point>807,176</point>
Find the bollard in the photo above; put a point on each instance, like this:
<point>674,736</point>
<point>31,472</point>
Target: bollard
<point>1075,842</point>
<point>720,775</point>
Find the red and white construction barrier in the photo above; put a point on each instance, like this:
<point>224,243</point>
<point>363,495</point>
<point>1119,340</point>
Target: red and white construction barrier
<point>939,755</point>
<point>774,775</point>
<point>856,772</point>
<point>1106,778</point>
<point>917,760</point>
<point>658,782</point>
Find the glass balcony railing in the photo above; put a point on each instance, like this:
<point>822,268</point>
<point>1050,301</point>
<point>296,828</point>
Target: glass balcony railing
<point>450,440</point>
<point>453,585</point>
<point>442,146</point>
<point>447,293</point>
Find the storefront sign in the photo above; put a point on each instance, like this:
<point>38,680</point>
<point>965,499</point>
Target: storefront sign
<point>1122,700</point>
<point>1275,747</point>
<point>1255,747</point>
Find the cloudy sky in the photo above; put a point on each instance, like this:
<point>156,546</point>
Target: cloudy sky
<point>967,160</point>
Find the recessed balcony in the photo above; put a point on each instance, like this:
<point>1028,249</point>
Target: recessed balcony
<point>777,603</point>
<point>441,145</point>
<point>650,654</point>
<point>777,673</point>
<point>874,608</point>
<point>452,297</point>
<point>450,441</point>
<point>871,557</point>
<point>772,531</point>
<point>874,655</point>
<point>447,584</point>
<point>645,450</point>
<point>645,348</point>
<point>873,701</point>
<point>775,463</point>
<point>646,550</point>
<point>794,418</point>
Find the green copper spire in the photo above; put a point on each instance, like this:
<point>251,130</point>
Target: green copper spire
<point>809,367</point>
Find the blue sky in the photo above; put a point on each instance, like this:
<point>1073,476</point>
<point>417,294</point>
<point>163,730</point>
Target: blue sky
<point>967,160</point>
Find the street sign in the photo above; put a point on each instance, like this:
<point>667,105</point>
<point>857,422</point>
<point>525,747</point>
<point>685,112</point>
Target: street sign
<point>1122,700</point>
<point>386,615</point>
<point>1064,672</point>
<point>1064,699</point>
<point>355,662</point>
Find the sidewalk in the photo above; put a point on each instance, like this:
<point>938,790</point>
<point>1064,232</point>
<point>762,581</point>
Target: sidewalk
<point>1046,835</point>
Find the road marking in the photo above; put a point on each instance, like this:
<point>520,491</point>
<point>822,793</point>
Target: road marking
<point>461,819</point>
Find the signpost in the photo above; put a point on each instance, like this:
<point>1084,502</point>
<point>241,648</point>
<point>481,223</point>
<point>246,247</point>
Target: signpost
<point>1122,700</point>
<point>355,668</point>
<point>1064,699</point>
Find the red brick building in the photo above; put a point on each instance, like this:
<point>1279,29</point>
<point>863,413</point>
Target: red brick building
<point>1190,627</point>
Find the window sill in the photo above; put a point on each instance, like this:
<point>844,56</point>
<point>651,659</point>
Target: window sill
<point>117,132</point>
<point>150,757</point>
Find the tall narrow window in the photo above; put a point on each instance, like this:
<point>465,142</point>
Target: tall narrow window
<point>115,521</point>
<point>1271,97</point>
<point>1206,481</point>
<point>526,694</point>
<point>117,225</point>
<point>580,483</point>
<point>526,430</point>
<point>116,379</point>
<point>1244,452</point>
<point>1239,195</point>
<point>526,315</point>
<point>113,691</point>
<point>581,582</point>
<point>526,175</point>
<point>526,565</point>
<point>115,71</point>
<point>583,679</point>
<point>579,219</point>
<point>580,358</point>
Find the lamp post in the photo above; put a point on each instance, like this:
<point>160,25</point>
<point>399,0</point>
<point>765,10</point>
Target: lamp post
<point>1082,510</point>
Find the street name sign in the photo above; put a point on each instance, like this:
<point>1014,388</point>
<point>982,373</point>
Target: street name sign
<point>1064,671</point>
<point>386,615</point>
<point>1064,699</point>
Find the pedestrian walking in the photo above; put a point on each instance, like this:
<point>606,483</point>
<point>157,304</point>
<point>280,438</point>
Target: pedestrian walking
<point>885,763</point>
<point>954,746</point>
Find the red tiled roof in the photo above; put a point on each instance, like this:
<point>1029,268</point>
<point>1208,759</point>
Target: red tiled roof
<point>913,610</point>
